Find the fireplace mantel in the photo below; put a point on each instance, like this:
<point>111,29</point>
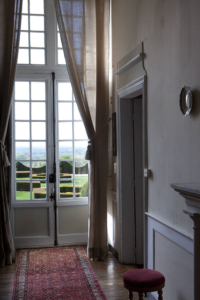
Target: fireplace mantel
<point>191,193</point>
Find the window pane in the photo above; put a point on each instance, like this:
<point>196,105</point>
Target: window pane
<point>77,40</point>
<point>23,56</point>
<point>38,91</point>
<point>39,170</point>
<point>65,150</point>
<point>61,57</point>
<point>66,169</point>
<point>22,90</point>
<point>77,115</point>
<point>23,39</point>
<point>59,40</point>
<point>37,7</point>
<point>25,6</point>
<point>21,110</point>
<point>78,8</point>
<point>39,192</point>
<point>22,131</point>
<point>23,170</point>
<point>37,39</point>
<point>24,24</point>
<point>81,167</point>
<point>77,24</point>
<point>66,189</point>
<point>79,131</point>
<point>65,111</point>
<point>38,150</point>
<point>37,57</point>
<point>22,150</point>
<point>38,130</point>
<point>64,91</point>
<point>23,190</point>
<point>78,56</point>
<point>36,23</point>
<point>65,131</point>
<point>80,149</point>
<point>81,188</point>
<point>38,111</point>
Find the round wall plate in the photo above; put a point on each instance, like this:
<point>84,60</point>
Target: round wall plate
<point>186,100</point>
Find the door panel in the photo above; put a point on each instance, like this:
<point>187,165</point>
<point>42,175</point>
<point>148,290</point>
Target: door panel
<point>31,222</point>
<point>32,212</point>
<point>33,215</point>
<point>72,170</point>
<point>138,174</point>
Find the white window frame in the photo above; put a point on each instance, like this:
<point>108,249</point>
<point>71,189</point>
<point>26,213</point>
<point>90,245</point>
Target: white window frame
<point>31,72</point>
<point>74,200</point>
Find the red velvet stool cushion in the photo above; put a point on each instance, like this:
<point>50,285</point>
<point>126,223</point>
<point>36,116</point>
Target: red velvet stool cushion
<point>143,279</point>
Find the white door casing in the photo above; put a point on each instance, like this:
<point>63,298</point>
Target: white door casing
<point>125,175</point>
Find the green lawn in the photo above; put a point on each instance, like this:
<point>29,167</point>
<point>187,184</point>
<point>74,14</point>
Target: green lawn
<point>78,182</point>
<point>26,195</point>
<point>23,195</point>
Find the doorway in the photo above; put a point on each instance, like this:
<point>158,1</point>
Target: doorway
<point>34,221</point>
<point>132,160</point>
<point>138,178</point>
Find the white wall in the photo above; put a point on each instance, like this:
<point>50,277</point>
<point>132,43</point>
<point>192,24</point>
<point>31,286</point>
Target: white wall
<point>170,32</point>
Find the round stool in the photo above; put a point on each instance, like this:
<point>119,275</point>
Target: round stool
<point>144,281</point>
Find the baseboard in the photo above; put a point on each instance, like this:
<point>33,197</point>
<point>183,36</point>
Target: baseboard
<point>113,251</point>
<point>150,296</point>
<point>33,246</point>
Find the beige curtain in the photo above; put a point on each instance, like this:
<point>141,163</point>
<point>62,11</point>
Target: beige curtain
<point>10,22</point>
<point>84,30</point>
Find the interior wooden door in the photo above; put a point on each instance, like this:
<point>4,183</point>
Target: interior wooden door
<point>138,178</point>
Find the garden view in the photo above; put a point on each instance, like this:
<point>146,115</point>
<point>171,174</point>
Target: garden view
<point>31,175</point>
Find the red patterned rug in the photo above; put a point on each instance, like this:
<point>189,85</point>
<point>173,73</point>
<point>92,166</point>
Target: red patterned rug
<point>55,273</point>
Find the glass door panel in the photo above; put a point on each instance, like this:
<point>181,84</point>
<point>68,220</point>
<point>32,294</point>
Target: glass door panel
<point>72,141</point>
<point>30,155</point>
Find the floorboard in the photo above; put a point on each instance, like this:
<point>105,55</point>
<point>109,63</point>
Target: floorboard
<point>109,273</point>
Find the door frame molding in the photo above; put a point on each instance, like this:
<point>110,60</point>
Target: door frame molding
<point>125,167</point>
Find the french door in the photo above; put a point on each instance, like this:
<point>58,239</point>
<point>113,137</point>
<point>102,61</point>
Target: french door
<point>35,150</point>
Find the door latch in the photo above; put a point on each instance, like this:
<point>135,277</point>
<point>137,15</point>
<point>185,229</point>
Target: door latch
<point>52,196</point>
<point>52,178</point>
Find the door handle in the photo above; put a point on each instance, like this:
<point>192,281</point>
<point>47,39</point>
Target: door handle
<point>52,196</point>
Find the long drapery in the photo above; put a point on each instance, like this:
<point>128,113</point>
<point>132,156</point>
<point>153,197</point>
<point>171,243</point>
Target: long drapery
<point>84,30</point>
<point>10,22</point>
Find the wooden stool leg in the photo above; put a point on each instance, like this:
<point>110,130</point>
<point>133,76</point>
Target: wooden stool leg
<point>160,297</point>
<point>130,294</point>
<point>140,296</point>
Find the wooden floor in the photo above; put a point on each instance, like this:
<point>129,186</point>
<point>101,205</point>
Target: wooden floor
<point>108,272</point>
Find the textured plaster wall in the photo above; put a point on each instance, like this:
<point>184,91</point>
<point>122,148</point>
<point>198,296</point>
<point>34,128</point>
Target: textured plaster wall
<point>170,32</point>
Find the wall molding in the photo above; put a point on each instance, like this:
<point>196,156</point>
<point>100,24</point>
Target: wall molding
<point>32,241</point>
<point>73,239</point>
<point>45,241</point>
<point>151,297</point>
<point>131,63</point>
<point>155,225</point>
<point>132,89</point>
<point>32,247</point>
<point>187,236</point>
